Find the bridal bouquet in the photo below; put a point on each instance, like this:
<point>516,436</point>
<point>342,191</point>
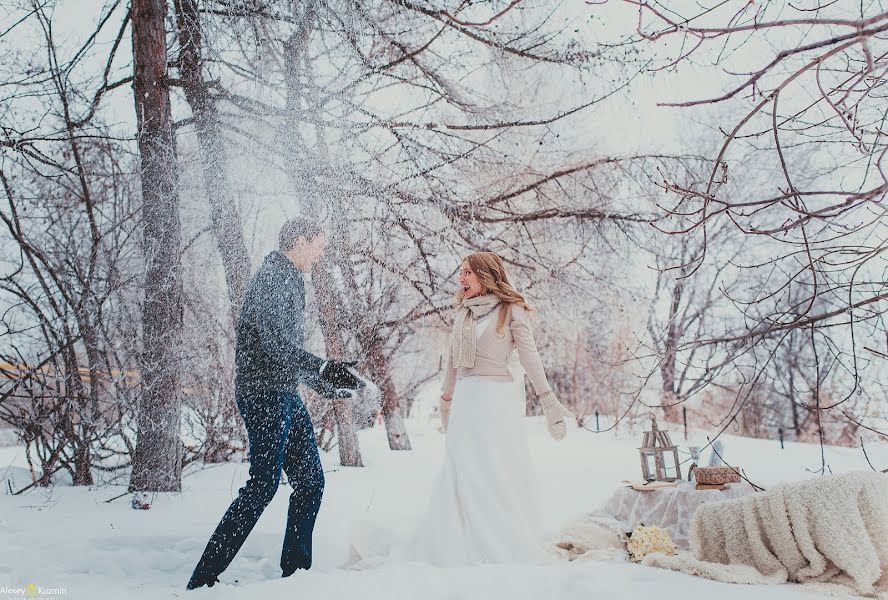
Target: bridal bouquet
<point>647,539</point>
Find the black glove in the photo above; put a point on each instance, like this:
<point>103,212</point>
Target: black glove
<point>339,374</point>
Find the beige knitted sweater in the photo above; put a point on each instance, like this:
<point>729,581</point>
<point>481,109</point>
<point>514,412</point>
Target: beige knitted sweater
<point>493,350</point>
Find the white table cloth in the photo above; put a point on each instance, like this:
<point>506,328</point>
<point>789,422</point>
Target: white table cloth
<point>670,508</point>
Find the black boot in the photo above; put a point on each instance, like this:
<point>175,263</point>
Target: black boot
<point>201,580</point>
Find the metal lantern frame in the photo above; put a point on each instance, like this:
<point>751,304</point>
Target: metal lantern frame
<point>655,446</point>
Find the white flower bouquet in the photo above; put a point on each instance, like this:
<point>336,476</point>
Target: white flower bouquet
<point>647,539</point>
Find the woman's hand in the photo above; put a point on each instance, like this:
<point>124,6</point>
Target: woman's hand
<point>444,409</point>
<point>556,414</point>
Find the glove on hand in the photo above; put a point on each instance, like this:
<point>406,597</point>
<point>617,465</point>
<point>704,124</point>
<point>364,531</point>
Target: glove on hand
<point>444,412</point>
<point>556,413</point>
<point>339,375</point>
<point>331,393</point>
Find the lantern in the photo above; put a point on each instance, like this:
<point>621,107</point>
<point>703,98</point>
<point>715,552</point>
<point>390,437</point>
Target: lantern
<point>659,456</point>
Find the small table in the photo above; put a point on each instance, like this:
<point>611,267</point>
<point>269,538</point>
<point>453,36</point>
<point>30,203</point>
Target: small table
<point>669,508</point>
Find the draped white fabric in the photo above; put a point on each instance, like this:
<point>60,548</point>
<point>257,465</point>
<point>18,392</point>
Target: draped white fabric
<point>485,505</point>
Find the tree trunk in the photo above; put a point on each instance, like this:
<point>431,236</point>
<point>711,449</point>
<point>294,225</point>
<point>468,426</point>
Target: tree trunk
<point>303,183</point>
<point>349,449</point>
<point>82,464</point>
<point>157,460</point>
<point>392,406</point>
<point>224,217</point>
<point>792,403</point>
<point>395,428</point>
<point>669,395</point>
<point>77,433</point>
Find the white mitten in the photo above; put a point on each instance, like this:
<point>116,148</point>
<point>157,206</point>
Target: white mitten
<point>556,414</point>
<point>444,411</point>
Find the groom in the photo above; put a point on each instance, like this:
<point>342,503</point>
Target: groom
<point>270,364</point>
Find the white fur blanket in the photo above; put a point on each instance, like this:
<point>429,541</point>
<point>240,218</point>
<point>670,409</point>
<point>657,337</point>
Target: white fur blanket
<point>829,529</point>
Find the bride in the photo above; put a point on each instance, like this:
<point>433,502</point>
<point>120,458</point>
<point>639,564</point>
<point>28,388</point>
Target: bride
<point>484,507</point>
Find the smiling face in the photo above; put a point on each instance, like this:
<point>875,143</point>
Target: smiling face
<point>469,281</point>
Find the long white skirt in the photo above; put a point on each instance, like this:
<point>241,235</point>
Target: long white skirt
<point>484,507</point>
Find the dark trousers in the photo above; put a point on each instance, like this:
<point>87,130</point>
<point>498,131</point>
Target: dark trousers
<point>281,436</point>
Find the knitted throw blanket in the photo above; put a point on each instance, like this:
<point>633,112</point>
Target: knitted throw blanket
<point>831,529</point>
<point>463,338</point>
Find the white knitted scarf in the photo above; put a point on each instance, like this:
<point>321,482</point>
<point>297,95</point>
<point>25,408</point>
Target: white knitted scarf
<point>463,338</point>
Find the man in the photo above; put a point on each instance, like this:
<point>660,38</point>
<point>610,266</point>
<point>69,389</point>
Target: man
<point>270,364</point>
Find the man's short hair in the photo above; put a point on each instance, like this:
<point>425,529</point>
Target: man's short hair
<point>298,228</point>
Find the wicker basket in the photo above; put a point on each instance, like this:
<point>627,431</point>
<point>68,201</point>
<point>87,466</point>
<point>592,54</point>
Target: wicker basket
<point>716,475</point>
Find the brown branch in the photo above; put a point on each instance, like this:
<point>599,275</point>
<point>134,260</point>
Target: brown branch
<point>511,5</point>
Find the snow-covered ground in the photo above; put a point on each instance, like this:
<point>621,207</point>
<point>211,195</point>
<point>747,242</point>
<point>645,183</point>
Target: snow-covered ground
<point>71,538</point>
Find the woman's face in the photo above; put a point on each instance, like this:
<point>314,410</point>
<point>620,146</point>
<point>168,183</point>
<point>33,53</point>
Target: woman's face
<point>469,281</point>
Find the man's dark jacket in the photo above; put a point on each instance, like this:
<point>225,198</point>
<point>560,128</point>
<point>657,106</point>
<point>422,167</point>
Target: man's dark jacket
<point>269,354</point>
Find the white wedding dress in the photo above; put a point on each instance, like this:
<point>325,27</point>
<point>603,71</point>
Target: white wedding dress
<point>485,504</point>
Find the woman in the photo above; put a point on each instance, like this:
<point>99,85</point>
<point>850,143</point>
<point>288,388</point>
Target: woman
<point>484,507</point>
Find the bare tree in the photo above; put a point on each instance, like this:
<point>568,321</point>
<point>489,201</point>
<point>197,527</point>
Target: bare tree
<point>337,143</point>
<point>226,226</point>
<point>71,215</point>
<point>689,305</point>
<point>221,422</point>
<point>157,463</point>
<point>811,115</point>
<point>365,120</point>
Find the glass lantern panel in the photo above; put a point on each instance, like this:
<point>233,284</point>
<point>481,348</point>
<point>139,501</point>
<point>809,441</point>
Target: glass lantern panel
<point>668,461</point>
<point>670,465</point>
<point>651,462</point>
<point>652,465</point>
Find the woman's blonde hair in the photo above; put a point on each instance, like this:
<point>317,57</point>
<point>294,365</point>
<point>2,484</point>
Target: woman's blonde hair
<point>488,266</point>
